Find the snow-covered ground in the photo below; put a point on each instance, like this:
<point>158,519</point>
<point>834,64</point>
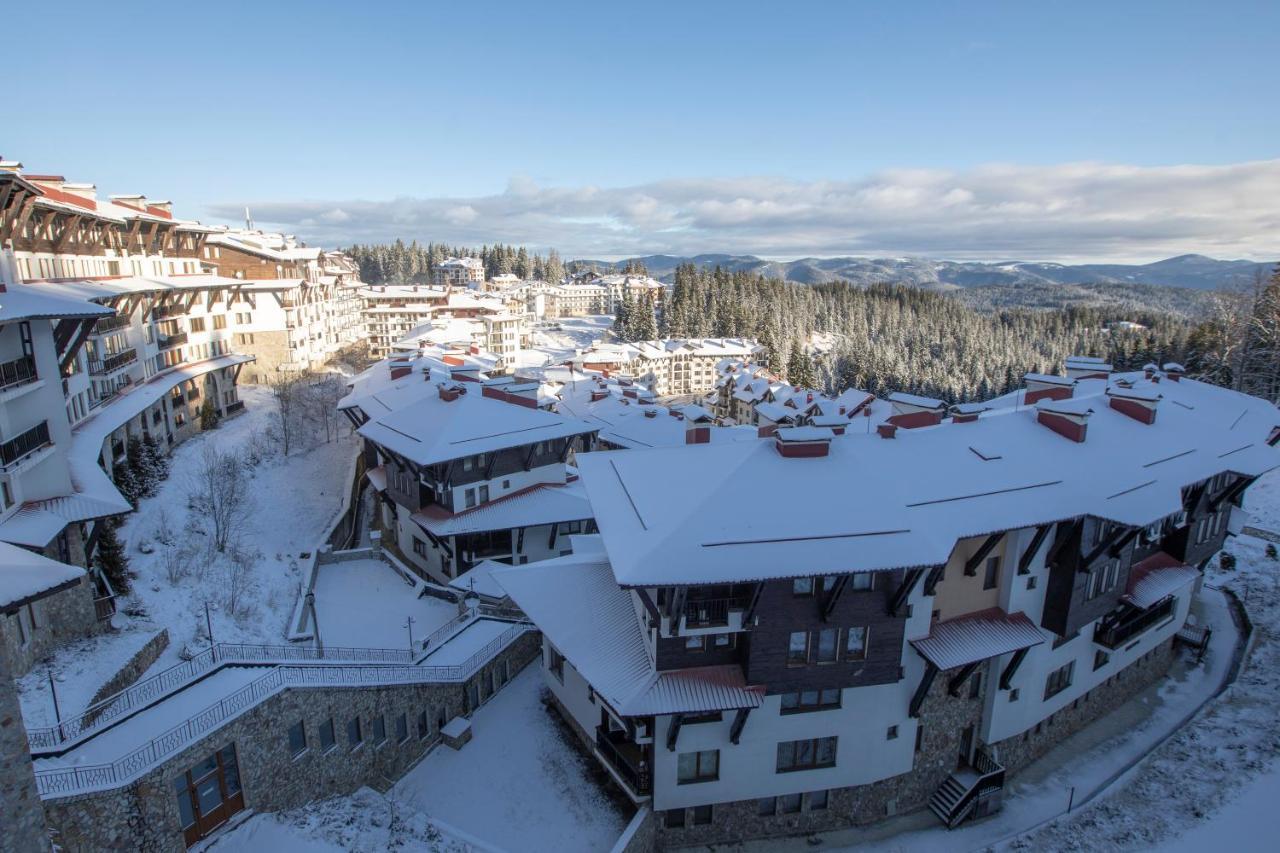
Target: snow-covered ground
<point>1263,502</point>
<point>519,785</point>
<point>294,502</point>
<point>365,603</point>
<point>574,333</point>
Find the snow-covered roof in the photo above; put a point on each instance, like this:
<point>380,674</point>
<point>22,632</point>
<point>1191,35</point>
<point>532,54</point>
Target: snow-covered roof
<point>39,302</point>
<point>479,579</point>
<point>542,504</point>
<point>977,637</point>
<point>1048,379</point>
<point>582,611</point>
<point>916,400</point>
<point>25,576</point>
<point>431,430</point>
<point>1155,577</point>
<point>916,495</point>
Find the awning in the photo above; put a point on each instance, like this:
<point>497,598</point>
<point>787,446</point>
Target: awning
<point>1155,578</point>
<point>698,690</point>
<point>977,637</point>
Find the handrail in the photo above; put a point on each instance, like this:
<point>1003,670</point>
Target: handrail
<point>54,781</point>
<point>991,777</point>
<point>141,693</point>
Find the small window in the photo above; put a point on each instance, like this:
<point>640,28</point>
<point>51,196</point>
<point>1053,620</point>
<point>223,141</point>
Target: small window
<point>1059,680</point>
<point>798,648</point>
<point>424,726</point>
<point>297,739</point>
<point>1014,694</point>
<point>919,737</point>
<point>766,806</point>
<point>701,766</point>
<point>892,734</point>
<point>695,643</point>
<point>674,818</point>
<point>327,738</point>
<point>402,728</point>
<point>818,801</point>
<point>419,547</point>
<point>724,641</point>
<point>992,576</point>
<point>807,754</point>
<point>1100,659</point>
<point>863,581</point>
<point>355,736</point>
<point>975,685</point>
<point>789,803</point>
<point>484,494</point>
<point>470,496</point>
<point>827,643</point>
<point>855,644</point>
<point>702,815</point>
<point>802,586</point>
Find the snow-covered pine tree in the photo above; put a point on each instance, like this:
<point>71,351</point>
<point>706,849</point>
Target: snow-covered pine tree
<point>111,558</point>
<point>208,415</point>
<point>126,481</point>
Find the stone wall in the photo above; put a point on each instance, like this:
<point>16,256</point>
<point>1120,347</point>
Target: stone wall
<point>641,834</point>
<point>143,816</point>
<point>23,828</point>
<point>60,618</point>
<point>1018,751</point>
<point>129,673</point>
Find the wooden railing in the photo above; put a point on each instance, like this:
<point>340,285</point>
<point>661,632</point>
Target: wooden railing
<point>990,780</point>
<point>1118,633</point>
<point>636,774</point>
<point>101,366</point>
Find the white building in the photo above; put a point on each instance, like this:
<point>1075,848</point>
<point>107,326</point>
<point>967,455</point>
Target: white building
<point>669,367</point>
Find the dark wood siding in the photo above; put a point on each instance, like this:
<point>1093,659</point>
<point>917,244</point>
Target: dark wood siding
<point>672,653</point>
<point>1065,607</point>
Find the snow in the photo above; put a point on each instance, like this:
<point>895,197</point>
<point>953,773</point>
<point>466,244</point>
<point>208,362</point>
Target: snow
<point>24,575</point>
<point>521,784</point>
<point>79,670</point>
<point>137,730</point>
<point>1262,500</point>
<point>465,644</point>
<point>364,603</point>
<point>365,822</point>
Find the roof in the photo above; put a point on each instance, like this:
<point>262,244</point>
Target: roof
<point>479,579</point>
<point>25,576</point>
<point>1156,577</point>
<point>544,504</point>
<point>582,611</point>
<point>40,302</point>
<point>977,637</point>
<point>431,430</point>
<point>1048,379</point>
<point>676,515</point>
<point>916,400</point>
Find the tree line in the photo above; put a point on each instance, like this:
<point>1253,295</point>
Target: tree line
<point>415,263</point>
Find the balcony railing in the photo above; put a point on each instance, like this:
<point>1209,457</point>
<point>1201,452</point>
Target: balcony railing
<point>110,324</point>
<point>171,341</point>
<point>627,759</point>
<point>20,371</point>
<point>104,607</point>
<point>16,449</point>
<point>162,311</point>
<point>112,363</point>
<point>1117,633</point>
<point>232,408</point>
<point>712,612</point>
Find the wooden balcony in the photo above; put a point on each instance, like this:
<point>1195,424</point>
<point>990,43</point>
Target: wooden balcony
<point>1115,632</point>
<point>112,363</point>
<point>627,760</point>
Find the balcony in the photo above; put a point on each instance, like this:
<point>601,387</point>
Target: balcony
<point>16,449</point>
<point>112,363</point>
<point>713,612</point>
<point>627,760</point>
<point>237,406</point>
<point>160,312</point>
<point>171,341</point>
<point>20,371</point>
<point>1113,633</point>
<point>103,325</point>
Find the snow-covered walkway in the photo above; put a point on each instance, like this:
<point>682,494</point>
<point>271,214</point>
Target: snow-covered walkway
<point>366,604</point>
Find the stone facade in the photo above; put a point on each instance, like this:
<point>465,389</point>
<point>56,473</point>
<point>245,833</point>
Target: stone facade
<point>270,348</point>
<point>143,815</point>
<point>1017,752</point>
<point>59,618</point>
<point>130,672</point>
<point>24,828</point>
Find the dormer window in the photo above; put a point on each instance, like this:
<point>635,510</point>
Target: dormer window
<point>863,581</point>
<point>802,586</point>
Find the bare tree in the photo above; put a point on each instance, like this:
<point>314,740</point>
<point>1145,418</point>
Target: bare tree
<point>176,561</point>
<point>220,494</point>
<point>288,392</point>
<point>239,566</point>
<point>323,394</point>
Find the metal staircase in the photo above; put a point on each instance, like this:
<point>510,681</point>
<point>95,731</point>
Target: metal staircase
<point>970,791</point>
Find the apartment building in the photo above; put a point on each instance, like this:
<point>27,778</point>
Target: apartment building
<point>458,272</point>
<point>768,666</point>
<point>468,469</point>
<point>669,367</point>
<point>397,313</point>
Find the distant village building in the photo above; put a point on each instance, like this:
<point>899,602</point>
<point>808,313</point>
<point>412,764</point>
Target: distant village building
<point>459,272</point>
<point>669,367</point>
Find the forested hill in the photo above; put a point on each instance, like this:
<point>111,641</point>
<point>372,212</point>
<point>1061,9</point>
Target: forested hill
<point>884,338</point>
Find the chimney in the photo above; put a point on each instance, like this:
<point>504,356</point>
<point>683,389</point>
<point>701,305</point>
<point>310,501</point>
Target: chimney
<point>399,370</point>
<point>766,431</point>
<point>802,442</point>
<point>1174,371</point>
<point>1041,386</point>
<point>887,430</point>
<point>842,409</point>
<point>697,434</point>
<point>809,397</point>
<point>1087,367</point>
<point>1068,418</point>
<point>1139,405</point>
<point>676,413</point>
<point>650,413</point>
<point>1148,370</point>
<point>598,394</point>
<point>449,393</point>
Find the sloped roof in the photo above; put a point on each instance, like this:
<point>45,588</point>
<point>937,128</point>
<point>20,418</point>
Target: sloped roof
<point>1155,577</point>
<point>25,576</point>
<point>42,302</point>
<point>977,637</point>
<point>543,504</point>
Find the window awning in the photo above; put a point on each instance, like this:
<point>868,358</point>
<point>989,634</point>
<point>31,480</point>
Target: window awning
<point>977,637</point>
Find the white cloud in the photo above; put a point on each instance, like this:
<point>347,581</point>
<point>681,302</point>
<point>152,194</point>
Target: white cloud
<point>1072,211</point>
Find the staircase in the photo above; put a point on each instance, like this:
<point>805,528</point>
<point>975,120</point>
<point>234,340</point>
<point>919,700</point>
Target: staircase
<point>969,790</point>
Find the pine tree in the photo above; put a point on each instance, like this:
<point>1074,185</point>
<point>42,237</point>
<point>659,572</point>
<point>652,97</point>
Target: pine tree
<point>111,558</point>
<point>643,324</point>
<point>208,415</point>
<point>126,481</point>
<point>156,461</point>
<point>800,367</point>
<point>139,473</point>
<point>622,319</point>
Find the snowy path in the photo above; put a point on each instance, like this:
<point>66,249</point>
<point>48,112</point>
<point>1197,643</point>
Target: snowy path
<point>365,603</point>
<point>518,785</point>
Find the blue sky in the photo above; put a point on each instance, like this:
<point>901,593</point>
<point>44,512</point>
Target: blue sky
<point>600,127</point>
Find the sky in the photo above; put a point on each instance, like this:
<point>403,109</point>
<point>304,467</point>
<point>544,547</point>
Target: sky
<point>978,130</point>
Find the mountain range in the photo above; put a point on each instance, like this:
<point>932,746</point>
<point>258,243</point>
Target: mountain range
<point>1197,272</point>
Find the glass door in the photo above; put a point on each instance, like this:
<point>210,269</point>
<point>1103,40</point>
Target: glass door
<point>208,794</point>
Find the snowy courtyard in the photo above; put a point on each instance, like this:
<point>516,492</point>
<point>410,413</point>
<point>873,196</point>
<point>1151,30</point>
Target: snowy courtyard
<point>367,604</point>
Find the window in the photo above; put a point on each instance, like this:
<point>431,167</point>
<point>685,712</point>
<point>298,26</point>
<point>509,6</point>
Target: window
<point>810,700</point>
<point>808,754</point>
<point>817,801</point>
<point>827,641</point>
<point>379,730</point>
<point>402,728</point>
<point>892,733</point>
<point>355,737</point>
<point>798,648</point>
<point>327,739</point>
<point>992,576</point>
<point>766,806</point>
<point>1059,680</point>
<point>419,547</point>
<point>701,766</point>
<point>219,321</point>
<point>424,726</point>
<point>919,737</point>
<point>975,685</point>
<point>702,815</point>
<point>802,586</point>
<point>197,324</point>
<point>484,494</point>
<point>674,818</point>
<point>470,498</point>
<point>789,803</point>
<point>695,643</point>
<point>863,581</point>
<point>297,739</point>
<point>855,644</point>
<point>555,663</point>
<point>1014,694</point>
<point>1100,659</point>
<point>724,641</point>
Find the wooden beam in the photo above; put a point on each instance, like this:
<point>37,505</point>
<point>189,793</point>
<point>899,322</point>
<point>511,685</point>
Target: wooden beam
<point>833,597</point>
<point>750,612</point>
<point>971,564</point>
<point>1024,562</point>
<point>957,681</point>
<point>900,596</point>
<point>1105,545</point>
<point>649,605</point>
<point>76,342</point>
<point>931,582</point>
<point>922,689</point>
<point>1006,677</point>
<point>739,721</point>
<point>673,732</point>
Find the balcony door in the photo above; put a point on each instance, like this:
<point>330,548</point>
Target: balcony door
<point>208,794</point>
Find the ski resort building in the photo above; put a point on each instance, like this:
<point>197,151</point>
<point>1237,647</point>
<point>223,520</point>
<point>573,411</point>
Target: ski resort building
<point>459,272</point>
<point>395,312</point>
<point>468,470</point>
<point>813,630</point>
<point>670,367</point>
